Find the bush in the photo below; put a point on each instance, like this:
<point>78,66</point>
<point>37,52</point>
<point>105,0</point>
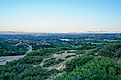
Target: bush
<point>78,61</point>
<point>98,68</point>
<point>33,73</point>
<point>112,50</point>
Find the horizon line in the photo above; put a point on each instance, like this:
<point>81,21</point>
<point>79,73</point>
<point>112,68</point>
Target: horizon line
<point>13,31</point>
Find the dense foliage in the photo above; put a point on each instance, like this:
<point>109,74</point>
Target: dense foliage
<point>98,68</point>
<point>62,57</point>
<point>24,69</point>
<point>112,50</point>
<point>40,41</point>
<point>76,62</point>
<point>8,48</point>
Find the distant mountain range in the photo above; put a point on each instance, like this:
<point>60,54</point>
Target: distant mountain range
<point>15,32</point>
<point>11,32</point>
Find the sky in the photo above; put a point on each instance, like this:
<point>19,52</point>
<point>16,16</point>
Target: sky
<point>60,15</point>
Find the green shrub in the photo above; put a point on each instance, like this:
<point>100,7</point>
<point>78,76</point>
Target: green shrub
<point>98,68</point>
<point>78,61</point>
<point>113,50</point>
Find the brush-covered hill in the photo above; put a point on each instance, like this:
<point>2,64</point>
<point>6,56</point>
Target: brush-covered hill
<point>112,50</point>
<point>66,64</point>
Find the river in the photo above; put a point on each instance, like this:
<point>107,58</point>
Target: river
<point>5,59</point>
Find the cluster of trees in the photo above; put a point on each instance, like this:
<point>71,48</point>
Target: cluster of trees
<point>91,68</point>
<point>23,69</point>
<point>80,68</point>
<point>55,43</point>
<point>112,50</point>
<point>76,62</point>
<point>24,72</point>
<point>39,44</point>
<point>52,61</point>
<point>8,48</point>
<point>86,67</point>
<point>100,64</point>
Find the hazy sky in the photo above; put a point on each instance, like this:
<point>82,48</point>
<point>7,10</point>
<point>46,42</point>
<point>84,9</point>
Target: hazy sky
<point>60,15</point>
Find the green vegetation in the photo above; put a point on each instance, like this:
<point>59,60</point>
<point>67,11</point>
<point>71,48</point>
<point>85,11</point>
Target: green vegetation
<point>93,68</point>
<point>52,62</point>
<point>76,62</point>
<point>112,50</point>
<point>86,47</point>
<point>8,48</point>
<point>34,73</point>
<point>31,59</point>
<point>24,67</point>
<point>55,59</point>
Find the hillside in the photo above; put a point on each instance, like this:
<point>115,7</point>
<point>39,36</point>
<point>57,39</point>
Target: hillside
<point>64,64</point>
<point>60,57</point>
